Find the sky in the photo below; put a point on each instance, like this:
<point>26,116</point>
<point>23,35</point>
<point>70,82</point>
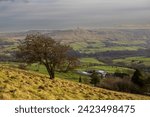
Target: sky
<point>19,15</point>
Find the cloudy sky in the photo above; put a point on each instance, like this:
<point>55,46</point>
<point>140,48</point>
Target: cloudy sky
<point>17,15</point>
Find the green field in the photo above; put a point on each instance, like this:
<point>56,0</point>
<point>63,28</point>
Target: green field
<point>109,69</point>
<point>99,46</point>
<point>129,42</point>
<point>88,47</point>
<point>90,61</point>
<point>134,60</point>
<point>70,75</point>
<point>73,75</point>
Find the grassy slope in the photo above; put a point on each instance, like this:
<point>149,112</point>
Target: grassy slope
<point>90,61</point>
<point>19,84</point>
<point>143,60</point>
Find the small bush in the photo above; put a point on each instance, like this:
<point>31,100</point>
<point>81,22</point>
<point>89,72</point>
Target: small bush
<point>22,66</point>
<point>95,78</point>
<point>80,80</point>
<point>118,84</point>
<point>137,78</point>
<point>147,85</point>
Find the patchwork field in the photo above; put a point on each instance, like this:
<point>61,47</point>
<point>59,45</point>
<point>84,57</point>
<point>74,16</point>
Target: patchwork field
<point>101,46</point>
<point>87,41</point>
<point>21,84</point>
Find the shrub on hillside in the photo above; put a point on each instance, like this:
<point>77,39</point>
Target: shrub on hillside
<point>147,85</point>
<point>95,78</point>
<point>118,84</point>
<point>80,79</point>
<point>137,78</point>
<point>22,66</point>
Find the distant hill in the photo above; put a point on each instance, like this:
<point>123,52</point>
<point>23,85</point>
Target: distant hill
<point>20,84</point>
<point>87,41</point>
<point>80,34</point>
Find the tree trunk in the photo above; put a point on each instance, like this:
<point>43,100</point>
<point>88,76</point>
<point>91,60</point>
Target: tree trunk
<point>50,71</point>
<point>52,76</point>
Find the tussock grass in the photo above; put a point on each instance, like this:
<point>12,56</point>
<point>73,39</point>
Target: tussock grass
<point>21,84</point>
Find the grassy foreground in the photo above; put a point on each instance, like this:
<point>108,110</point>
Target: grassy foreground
<point>20,84</point>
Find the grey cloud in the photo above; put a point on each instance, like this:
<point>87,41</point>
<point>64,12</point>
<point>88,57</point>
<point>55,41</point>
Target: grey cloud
<point>136,9</point>
<point>25,1</point>
<point>70,13</point>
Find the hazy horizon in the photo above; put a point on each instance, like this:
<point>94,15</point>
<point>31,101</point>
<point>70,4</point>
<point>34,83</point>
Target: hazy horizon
<point>18,15</point>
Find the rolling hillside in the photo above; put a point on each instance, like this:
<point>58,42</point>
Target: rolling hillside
<point>20,84</point>
<point>85,41</point>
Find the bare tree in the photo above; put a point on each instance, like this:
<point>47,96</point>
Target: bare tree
<point>43,49</point>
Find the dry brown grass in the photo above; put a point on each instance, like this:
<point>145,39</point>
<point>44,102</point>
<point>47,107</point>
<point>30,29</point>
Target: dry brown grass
<point>20,84</point>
